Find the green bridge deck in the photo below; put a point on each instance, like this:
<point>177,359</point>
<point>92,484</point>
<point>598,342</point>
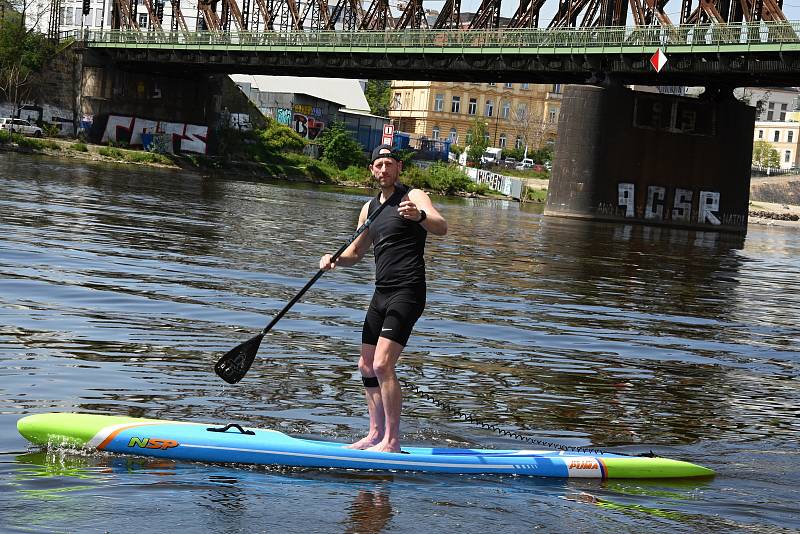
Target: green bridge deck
<point>728,38</point>
<point>743,54</point>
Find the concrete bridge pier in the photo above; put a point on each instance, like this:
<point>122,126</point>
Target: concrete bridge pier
<point>119,102</point>
<point>653,159</point>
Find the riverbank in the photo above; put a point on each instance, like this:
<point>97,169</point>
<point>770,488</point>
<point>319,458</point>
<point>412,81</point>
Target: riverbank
<point>766,192</point>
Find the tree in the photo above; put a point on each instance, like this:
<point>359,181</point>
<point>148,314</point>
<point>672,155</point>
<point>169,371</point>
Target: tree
<point>23,53</point>
<point>378,93</point>
<point>478,142</point>
<point>530,127</point>
<point>338,146</point>
<point>765,155</point>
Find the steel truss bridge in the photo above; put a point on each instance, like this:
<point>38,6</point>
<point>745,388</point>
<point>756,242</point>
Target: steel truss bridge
<point>722,42</point>
<point>712,55</point>
<point>350,15</point>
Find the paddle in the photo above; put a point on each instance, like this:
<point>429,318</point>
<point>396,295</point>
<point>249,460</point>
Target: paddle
<point>234,364</point>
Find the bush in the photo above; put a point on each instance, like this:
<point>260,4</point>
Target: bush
<point>265,145</point>
<point>457,149</point>
<point>440,178</point>
<point>339,148</point>
<point>79,147</point>
<point>50,130</point>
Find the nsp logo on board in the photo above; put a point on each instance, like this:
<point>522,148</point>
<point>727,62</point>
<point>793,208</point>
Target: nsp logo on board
<point>152,443</point>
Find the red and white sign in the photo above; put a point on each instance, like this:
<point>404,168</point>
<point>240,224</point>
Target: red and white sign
<point>388,134</point>
<point>658,60</point>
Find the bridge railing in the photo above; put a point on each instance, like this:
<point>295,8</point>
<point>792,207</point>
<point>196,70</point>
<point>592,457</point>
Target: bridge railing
<point>597,40</point>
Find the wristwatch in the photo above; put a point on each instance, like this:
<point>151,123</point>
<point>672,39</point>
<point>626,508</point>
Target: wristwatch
<point>422,216</point>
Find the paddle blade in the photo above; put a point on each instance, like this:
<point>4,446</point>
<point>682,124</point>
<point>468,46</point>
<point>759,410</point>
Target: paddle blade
<point>235,363</point>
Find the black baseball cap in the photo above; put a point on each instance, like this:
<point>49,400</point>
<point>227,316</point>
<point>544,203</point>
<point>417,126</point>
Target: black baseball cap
<point>383,151</point>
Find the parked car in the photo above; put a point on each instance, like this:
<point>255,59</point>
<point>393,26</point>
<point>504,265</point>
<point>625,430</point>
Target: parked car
<point>20,126</point>
<point>526,163</point>
<point>510,163</point>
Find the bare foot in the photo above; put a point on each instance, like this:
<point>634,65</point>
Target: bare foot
<point>385,447</point>
<point>364,443</point>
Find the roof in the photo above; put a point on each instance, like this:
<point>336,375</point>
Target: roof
<point>347,93</point>
<point>361,112</point>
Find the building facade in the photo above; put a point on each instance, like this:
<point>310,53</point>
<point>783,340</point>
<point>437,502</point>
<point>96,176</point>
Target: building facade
<point>517,115</point>
<point>308,105</point>
<point>772,104</point>
<point>784,137</point>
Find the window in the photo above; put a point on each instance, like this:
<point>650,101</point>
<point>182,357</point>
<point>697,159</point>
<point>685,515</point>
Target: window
<point>526,86</point>
<point>777,136</point>
<point>518,143</point>
<point>506,110</point>
<point>552,115</point>
<point>473,106</point>
<point>469,137</point>
<point>770,114</point>
<point>509,85</point>
<point>789,137</point>
<point>68,16</point>
<point>492,84</point>
<point>489,108</point>
<point>455,107</point>
<point>761,134</point>
<point>396,104</point>
<point>557,88</point>
<point>486,138</point>
<point>438,102</point>
<point>787,157</point>
<point>783,113</point>
<point>435,133</point>
<point>143,20</point>
<point>453,135</point>
<point>502,140</point>
<point>522,111</point>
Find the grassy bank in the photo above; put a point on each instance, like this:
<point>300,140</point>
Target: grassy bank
<point>270,159</point>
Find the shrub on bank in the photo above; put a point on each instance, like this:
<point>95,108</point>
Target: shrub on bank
<point>440,178</point>
<point>79,147</point>
<point>133,156</point>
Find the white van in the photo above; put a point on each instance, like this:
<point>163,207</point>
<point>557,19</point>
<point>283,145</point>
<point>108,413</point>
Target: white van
<point>20,126</point>
<point>491,156</point>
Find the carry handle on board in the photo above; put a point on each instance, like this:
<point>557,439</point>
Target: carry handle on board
<point>232,425</point>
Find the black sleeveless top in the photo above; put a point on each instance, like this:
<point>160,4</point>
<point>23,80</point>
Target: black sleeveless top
<point>399,244</point>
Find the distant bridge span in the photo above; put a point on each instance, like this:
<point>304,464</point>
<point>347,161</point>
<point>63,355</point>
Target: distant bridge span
<point>720,55</point>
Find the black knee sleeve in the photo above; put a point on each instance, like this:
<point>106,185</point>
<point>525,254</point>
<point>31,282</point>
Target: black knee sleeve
<point>370,381</point>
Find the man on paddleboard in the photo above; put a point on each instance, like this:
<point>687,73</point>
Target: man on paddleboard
<point>398,236</point>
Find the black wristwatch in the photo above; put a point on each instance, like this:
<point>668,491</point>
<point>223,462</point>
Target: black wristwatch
<point>422,216</point>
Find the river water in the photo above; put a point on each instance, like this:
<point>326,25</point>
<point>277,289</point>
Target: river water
<point>120,287</point>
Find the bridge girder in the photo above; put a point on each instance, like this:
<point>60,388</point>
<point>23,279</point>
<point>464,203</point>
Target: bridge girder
<point>350,15</point>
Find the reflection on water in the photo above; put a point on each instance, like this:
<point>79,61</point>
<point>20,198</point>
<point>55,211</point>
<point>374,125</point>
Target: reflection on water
<point>119,288</point>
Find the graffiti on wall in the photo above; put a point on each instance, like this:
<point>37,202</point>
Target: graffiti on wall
<point>685,209</point>
<point>187,137</point>
<point>307,127</point>
<point>283,116</point>
<point>305,120</point>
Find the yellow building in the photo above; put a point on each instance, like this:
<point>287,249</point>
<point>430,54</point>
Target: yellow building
<point>784,137</point>
<point>516,114</point>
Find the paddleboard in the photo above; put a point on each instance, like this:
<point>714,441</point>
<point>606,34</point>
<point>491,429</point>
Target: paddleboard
<point>234,444</point>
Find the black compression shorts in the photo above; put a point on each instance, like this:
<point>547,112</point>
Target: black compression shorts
<point>392,314</point>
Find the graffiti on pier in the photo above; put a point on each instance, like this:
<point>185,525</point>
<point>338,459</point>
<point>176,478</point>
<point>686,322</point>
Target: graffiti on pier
<point>683,208</point>
<point>186,137</point>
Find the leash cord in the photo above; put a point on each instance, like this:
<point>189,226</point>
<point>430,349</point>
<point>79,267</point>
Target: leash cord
<point>448,408</point>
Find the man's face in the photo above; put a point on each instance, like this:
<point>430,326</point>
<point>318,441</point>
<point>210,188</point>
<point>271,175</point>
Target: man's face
<point>386,171</point>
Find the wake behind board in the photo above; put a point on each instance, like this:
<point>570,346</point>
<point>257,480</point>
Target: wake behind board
<point>233,444</point>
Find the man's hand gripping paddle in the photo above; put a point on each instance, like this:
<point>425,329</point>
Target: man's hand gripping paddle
<point>234,364</point>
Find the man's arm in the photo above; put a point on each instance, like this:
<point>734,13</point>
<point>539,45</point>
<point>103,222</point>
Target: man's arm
<point>355,251</point>
<point>419,200</point>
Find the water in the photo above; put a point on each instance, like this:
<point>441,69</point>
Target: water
<point>120,287</point>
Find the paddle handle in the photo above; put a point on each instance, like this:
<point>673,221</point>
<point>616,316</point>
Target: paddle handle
<point>360,230</point>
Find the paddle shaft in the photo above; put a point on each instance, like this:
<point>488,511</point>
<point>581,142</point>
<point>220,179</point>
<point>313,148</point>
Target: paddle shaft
<point>360,230</point>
